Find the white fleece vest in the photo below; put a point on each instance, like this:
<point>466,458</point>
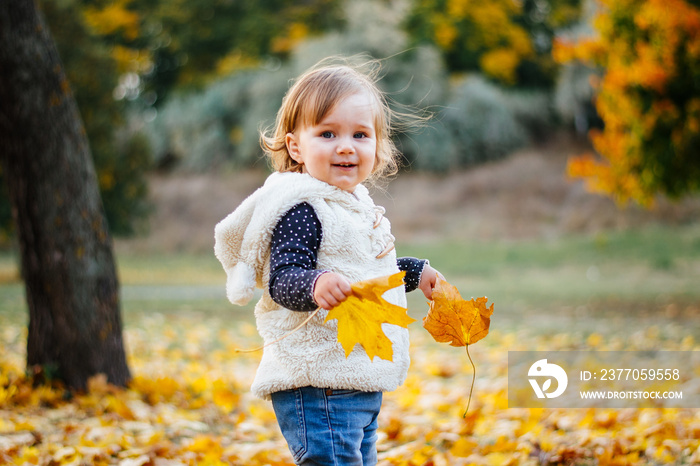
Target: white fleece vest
<point>350,244</point>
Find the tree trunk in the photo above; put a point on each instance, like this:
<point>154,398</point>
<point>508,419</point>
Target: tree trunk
<point>67,262</point>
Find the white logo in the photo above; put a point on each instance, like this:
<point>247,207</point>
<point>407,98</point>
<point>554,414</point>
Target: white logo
<point>543,369</point>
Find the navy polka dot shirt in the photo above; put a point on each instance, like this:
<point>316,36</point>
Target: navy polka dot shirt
<point>294,252</point>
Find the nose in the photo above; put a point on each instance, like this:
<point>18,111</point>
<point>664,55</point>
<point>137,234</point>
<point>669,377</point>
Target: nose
<point>345,146</point>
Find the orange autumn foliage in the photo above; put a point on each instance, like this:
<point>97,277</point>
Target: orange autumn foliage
<point>455,320</point>
<point>648,99</point>
<point>361,315</point>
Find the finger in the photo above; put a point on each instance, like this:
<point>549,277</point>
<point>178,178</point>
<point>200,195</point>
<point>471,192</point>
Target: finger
<point>328,303</point>
<point>322,303</point>
<point>428,292</point>
<point>323,299</point>
<point>345,288</point>
<point>338,294</point>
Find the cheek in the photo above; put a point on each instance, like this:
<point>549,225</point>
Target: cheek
<point>374,156</point>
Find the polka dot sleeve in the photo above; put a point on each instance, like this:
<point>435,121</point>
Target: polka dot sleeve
<point>293,256</point>
<point>413,268</point>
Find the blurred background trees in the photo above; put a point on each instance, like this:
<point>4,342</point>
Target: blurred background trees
<point>186,85</point>
<point>478,117</point>
<point>508,41</point>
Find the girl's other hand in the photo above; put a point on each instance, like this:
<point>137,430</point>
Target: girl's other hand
<point>427,281</point>
<point>331,289</point>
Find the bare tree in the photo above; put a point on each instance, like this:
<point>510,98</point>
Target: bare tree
<point>67,261</point>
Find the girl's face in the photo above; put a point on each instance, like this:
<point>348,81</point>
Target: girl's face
<point>340,149</point>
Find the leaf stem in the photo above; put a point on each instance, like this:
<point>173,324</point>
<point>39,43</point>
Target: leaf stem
<point>473,379</point>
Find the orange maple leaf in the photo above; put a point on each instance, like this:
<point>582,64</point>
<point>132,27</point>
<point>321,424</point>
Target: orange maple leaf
<point>454,320</point>
<point>361,315</point>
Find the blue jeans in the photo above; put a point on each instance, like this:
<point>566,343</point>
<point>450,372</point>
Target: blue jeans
<point>329,427</point>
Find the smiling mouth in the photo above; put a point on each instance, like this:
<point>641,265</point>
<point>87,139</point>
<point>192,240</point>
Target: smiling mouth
<point>344,165</point>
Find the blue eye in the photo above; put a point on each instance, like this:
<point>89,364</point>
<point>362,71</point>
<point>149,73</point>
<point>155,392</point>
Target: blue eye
<point>326,134</point>
<point>360,135</point>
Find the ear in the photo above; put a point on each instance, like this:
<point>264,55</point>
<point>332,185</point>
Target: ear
<point>292,144</point>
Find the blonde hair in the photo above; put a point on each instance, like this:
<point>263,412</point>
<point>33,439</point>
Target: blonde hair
<point>314,94</point>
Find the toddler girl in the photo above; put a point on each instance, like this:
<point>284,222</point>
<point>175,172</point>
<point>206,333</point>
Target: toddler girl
<point>303,237</point>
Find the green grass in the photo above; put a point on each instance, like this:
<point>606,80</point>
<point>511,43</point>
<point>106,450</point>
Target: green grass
<point>165,284</point>
<point>612,282</point>
<point>655,247</point>
<point>182,269</point>
<point>589,283</point>
<point>642,265</point>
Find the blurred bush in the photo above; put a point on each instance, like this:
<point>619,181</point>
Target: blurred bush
<point>480,122</point>
<point>219,125</point>
<point>474,120</point>
<point>201,130</point>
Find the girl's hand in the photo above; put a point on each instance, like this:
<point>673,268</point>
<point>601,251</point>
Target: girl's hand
<point>427,281</point>
<point>331,289</point>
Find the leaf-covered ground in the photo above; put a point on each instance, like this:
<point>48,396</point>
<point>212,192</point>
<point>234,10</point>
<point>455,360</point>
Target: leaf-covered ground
<point>189,404</point>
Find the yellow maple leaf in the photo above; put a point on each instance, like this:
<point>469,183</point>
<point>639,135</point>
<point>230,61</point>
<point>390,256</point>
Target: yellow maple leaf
<point>361,315</point>
<point>455,320</point>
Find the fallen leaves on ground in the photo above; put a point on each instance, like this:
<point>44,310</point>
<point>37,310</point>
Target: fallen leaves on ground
<point>189,404</point>
<point>361,315</point>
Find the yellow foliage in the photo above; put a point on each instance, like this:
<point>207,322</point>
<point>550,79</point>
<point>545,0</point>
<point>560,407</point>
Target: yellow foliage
<point>6,394</point>
<point>224,397</point>
<point>28,455</point>
<point>114,17</point>
<point>501,64</point>
<point>155,390</point>
<point>459,9</point>
<point>445,33</point>
<point>594,340</point>
<point>488,29</point>
<point>207,446</point>
<point>463,447</point>
<point>106,180</point>
<point>285,43</point>
<point>131,60</point>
